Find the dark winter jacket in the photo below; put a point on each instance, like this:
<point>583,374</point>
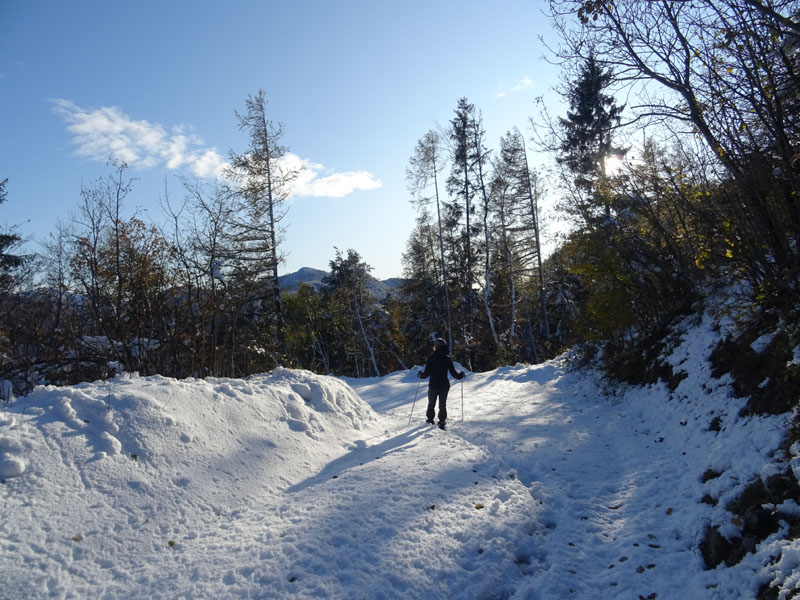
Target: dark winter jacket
<point>437,367</point>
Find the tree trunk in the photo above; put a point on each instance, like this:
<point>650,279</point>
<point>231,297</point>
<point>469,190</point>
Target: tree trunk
<point>366,340</point>
<point>441,258</point>
<point>535,219</point>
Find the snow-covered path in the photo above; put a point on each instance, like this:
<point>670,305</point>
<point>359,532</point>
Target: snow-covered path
<point>617,482</point>
<point>423,516</point>
<point>593,527</point>
<point>292,485</point>
<point>600,531</point>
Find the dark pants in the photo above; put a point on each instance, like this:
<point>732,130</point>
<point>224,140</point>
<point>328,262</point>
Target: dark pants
<point>442,395</point>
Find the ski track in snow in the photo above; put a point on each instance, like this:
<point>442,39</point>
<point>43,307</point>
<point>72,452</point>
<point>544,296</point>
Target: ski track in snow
<point>289,485</point>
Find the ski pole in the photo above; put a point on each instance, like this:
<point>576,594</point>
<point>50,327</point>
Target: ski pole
<point>462,400</point>
<point>415,401</point>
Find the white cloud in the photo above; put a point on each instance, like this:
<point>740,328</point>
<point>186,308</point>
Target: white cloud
<point>525,83</point>
<point>311,180</point>
<point>209,164</point>
<point>107,132</point>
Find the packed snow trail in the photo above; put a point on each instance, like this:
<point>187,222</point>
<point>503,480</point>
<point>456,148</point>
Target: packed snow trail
<point>582,465</point>
<point>554,434</point>
<point>617,474</point>
<point>292,485</point>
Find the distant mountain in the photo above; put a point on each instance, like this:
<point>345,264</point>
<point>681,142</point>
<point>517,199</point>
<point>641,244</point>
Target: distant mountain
<point>314,278</point>
<point>394,282</point>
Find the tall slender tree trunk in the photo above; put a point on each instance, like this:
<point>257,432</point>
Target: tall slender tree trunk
<point>280,337</point>
<point>276,290</point>
<point>512,283</point>
<point>535,218</point>
<point>487,288</point>
<point>441,258</point>
<point>366,339</point>
<point>468,248</point>
<point>480,157</point>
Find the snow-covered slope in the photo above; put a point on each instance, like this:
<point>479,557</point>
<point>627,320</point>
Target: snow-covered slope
<point>546,485</point>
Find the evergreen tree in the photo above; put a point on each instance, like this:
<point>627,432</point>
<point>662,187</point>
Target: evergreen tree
<point>479,161</point>
<point>10,265</point>
<point>263,186</point>
<point>423,169</point>
<point>460,185</point>
<point>347,289</point>
<point>8,241</point>
<point>522,189</point>
<point>310,333</point>
<point>588,137</point>
<point>424,309</point>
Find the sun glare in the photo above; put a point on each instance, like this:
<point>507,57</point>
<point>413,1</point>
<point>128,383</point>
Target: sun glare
<point>613,165</point>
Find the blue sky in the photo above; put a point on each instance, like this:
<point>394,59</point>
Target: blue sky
<point>355,84</point>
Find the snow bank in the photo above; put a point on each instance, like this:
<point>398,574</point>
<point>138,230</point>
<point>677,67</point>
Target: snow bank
<point>99,476</point>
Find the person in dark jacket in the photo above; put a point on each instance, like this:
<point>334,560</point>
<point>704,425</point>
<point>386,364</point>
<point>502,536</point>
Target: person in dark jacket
<point>439,363</point>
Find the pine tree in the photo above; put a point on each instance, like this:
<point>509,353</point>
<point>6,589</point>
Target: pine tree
<point>10,264</point>
<point>523,194</point>
<point>423,169</point>
<point>8,241</point>
<point>263,186</point>
<point>461,186</point>
<point>479,157</point>
<point>588,136</point>
<point>424,309</point>
<point>347,283</point>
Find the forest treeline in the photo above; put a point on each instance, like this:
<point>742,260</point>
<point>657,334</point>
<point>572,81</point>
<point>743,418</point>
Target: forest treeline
<point>691,183</point>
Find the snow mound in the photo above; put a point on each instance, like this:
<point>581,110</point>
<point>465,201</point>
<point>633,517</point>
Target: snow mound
<point>108,470</point>
<point>11,466</point>
<point>274,428</point>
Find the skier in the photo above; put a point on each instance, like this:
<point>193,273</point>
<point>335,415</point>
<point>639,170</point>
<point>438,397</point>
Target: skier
<point>439,363</point>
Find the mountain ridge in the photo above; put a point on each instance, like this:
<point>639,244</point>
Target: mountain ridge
<point>289,282</point>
